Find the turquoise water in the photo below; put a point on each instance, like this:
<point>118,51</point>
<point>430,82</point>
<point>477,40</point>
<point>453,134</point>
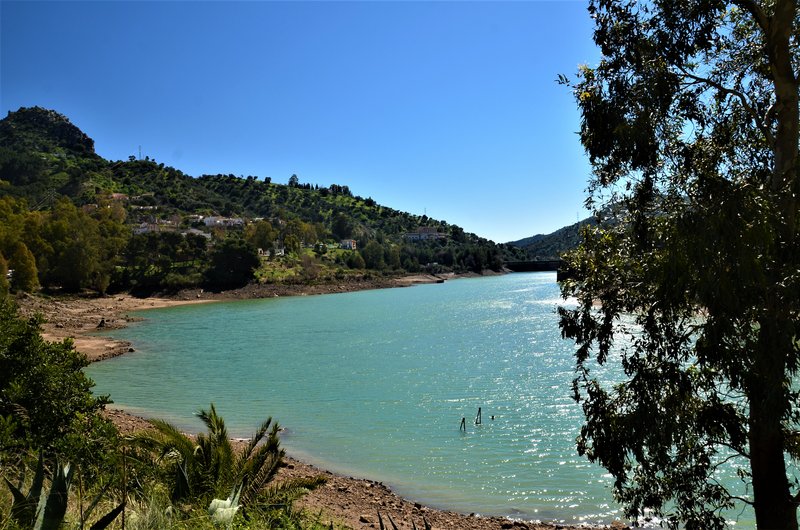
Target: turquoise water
<point>374,384</point>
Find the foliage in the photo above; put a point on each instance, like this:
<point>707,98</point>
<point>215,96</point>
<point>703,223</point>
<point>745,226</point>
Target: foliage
<point>74,258</point>
<point>261,234</point>
<point>164,260</point>
<point>691,123</point>
<point>232,264</point>
<point>373,255</point>
<point>44,395</point>
<point>4,285</point>
<point>25,276</point>
<point>209,467</point>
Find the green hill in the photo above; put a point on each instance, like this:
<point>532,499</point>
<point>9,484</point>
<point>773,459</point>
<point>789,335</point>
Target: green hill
<point>45,159</point>
<point>551,246</point>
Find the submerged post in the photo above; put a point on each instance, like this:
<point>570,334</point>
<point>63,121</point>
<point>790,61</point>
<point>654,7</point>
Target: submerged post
<point>478,417</point>
<point>463,426</point>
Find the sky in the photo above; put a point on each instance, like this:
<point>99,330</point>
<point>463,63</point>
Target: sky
<point>446,108</point>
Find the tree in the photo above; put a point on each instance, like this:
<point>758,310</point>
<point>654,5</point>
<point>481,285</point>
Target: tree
<point>341,226</point>
<point>233,263</point>
<point>373,255</point>
<point>691,123</point>
<point>4,285</point>
<point>354,260</point>
<point>261,234</point>
<point>44,395</point>
<point>392,254</point>
<point>75,260</point>
<point>25,276</point>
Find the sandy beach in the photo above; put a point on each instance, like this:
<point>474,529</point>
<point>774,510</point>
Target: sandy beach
<point>347,502</point>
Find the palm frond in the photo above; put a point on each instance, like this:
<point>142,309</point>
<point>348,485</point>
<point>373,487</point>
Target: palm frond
<point>164,438</point>
<point>252,444</point>
<point>289,490</point>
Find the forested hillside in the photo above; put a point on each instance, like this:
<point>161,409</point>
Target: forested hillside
<point>551,246</point>
<point>73,220</point>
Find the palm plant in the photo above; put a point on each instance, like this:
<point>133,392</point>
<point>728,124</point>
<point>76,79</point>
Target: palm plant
<point>209,467</point>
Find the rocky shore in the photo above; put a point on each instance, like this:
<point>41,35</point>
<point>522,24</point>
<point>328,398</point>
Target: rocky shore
<point>346,502</point>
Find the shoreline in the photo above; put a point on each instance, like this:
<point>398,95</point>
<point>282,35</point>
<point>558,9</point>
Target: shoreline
<point>77,317</point>
<point>354,502</point>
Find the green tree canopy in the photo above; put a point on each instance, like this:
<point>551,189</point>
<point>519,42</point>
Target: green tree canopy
<point>373,255</point>
<point>691,124</point>
<point>233,263</point>
<point>44,394</point>
<point>4,285</point>
<point>25,276</point>
<point>261,234</point>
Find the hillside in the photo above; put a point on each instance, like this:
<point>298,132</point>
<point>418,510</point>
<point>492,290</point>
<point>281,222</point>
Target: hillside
<point>551,246</point>
<point>43,155</point>
<point>45,160</point>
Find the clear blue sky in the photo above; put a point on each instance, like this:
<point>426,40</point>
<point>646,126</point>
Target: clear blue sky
<point>449,108</point>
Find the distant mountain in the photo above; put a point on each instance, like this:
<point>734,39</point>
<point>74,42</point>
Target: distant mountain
<point>551,246</point>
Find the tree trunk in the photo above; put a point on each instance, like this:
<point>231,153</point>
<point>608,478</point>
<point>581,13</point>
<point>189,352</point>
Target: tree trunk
<point>774,506</point>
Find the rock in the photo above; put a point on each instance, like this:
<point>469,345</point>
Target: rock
<point>366,519</point>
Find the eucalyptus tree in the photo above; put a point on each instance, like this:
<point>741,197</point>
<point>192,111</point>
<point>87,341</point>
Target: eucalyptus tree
<point>690,121</point>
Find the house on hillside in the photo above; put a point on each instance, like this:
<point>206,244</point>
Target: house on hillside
<point>425,233</point>
<point>196,232</point>
<point>155,225</point>
<point>224,222</point>
<point>348,244</point>
<point>146,228</point>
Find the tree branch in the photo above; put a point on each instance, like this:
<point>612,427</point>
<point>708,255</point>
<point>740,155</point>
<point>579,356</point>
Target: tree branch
<point>754,9</point>
<point>763,127</point>
<point>741,499</point>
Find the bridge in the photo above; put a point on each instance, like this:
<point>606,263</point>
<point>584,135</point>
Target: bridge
<point>539,265</point>
<point>533,266</point>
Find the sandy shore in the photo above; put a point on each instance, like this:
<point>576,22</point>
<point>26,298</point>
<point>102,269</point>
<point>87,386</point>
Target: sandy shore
<point>347,502</point>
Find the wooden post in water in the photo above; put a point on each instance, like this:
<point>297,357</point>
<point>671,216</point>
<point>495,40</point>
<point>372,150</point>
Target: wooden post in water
<point>478,417</point>
<point>463,426</point>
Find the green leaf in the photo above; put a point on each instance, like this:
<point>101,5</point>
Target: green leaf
<point>107,519</point>
<point>55,507</point>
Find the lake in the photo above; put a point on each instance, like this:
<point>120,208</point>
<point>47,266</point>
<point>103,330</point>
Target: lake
<point>374,384</point>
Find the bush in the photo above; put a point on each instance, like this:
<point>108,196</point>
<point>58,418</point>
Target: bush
<point>45,398</point>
